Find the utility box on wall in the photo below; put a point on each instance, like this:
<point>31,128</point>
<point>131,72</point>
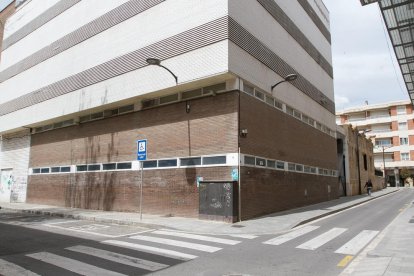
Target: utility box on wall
<point>218,200</point>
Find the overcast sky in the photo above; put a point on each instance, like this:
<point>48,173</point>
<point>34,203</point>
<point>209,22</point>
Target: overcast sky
<point>362,62</point>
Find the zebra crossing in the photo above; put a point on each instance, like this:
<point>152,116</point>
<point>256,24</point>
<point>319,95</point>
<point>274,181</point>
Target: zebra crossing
<point>132,255</point>
<point>352,247</point>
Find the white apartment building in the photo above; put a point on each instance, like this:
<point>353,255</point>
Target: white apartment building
<point>77,92</point>
<point>391,127</point>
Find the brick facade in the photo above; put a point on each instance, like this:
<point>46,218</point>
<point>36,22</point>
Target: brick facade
<point>210,127</point>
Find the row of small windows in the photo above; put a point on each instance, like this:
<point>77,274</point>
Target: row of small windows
<point>186,162</point>
<point>87,118</point>
<point>149,164</point>
<point>286,166</point>
<point>252,91</point>
<point>84,168</point>
<point>182,96</point>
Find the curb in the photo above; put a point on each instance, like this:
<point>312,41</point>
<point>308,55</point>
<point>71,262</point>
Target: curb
<point>340,209</point>
<point>157,226</point>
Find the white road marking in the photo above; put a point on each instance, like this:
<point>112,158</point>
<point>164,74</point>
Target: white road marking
<point>322,239</point>
<point>10,269</point>
<point>61,222</point>
<point>194,246</point>
<point>357,243</point>
<point>153,250</point>
<point>244,236</point>
<point>72,265</point>
<point>118,258</point>
<point>81,231</point>
<point>196,237</point>
<point>291,235</point>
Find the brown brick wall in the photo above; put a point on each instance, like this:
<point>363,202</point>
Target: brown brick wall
<point>274,134</point>
<point>165,192</point>
<point>394,125</point>
<point>395,140</point>
<point>211,127</point>
<point>409,109</point>
<point>266,191</point>
<point>397,156</point>
<point>411,139</point>
<point>410,124</point>
<point>393,111</point>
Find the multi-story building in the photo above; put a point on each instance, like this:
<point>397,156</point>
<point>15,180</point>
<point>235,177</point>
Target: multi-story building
<point>391,127</point>
<point>77,90</point>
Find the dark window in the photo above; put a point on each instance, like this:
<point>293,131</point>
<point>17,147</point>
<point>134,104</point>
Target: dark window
<point>36,170</point>
<point>126,108</point>
<point>167,163</point>
<point>291,166</point>
<point>271,163</point>
<point>109,166</point>
<point>124,166</point>
<point>191,94</point>
<point>213,160</point>
<point>55,169</point>
<point>249,160</point>
<point>365,162</point>
<point>94,167</point>
<point>169,99</point>
<point>150,164</point>
<point>44,170</point>
<point>65,169</point>
<point>260,162</point>
<point>192,161</point>
<point>280,165</point>
<point>81,168</point>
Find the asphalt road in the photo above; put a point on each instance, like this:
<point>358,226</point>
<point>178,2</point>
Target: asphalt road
<point>298,256</point>
<point>55,246</point>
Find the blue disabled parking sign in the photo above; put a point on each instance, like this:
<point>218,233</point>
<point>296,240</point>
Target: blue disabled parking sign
<point>142,150</point>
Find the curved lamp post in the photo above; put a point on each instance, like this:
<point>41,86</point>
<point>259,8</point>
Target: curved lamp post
<point>156,61</point>
<point>290,77</point>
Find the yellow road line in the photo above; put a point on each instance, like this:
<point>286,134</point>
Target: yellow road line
<point>345,261</point>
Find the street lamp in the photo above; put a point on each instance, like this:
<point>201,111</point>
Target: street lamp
<point>383,162</point>
<point>156,61</point>
<point>290,77</point>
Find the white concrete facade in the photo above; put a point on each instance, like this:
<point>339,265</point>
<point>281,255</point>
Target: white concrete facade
<point>142,30</point>
<point>215,57</point>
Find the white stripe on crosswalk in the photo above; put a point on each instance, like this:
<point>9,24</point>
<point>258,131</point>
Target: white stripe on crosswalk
<point>118,258</point>
<point>10,269</point>
<point>196,237</point>
<point>72,265</point>
<point>322,239</point>
<point>243,236</point>
<point>291,235</point>
<point>357,243</point>
<point>152,250</point>
<point>195,246</point>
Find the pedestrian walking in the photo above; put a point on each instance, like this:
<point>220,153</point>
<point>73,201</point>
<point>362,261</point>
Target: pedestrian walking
<point>368,186</point>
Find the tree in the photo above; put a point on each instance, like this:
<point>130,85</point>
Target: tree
<point>405,173</point>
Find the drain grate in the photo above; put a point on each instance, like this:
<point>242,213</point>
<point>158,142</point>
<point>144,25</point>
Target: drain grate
<point>238,226</point>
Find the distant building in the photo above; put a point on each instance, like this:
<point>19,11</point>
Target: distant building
<point>77,91</point>
<point>391,128</point>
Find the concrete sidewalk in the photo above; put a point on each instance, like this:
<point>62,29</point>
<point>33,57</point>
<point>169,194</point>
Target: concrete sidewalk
<point>391,252</point>
<point>270,224</point>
